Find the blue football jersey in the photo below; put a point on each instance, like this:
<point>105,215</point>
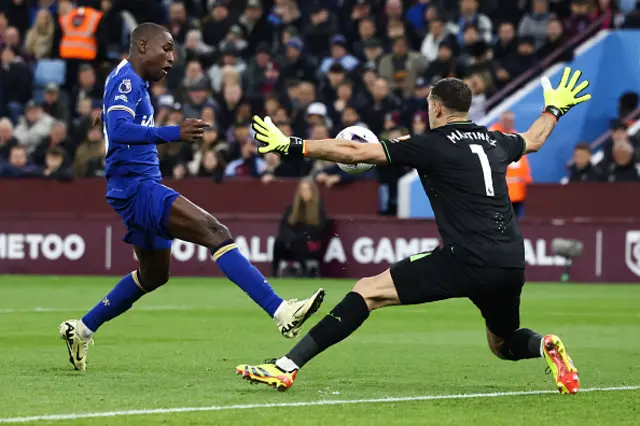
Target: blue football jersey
<point>126,91</point>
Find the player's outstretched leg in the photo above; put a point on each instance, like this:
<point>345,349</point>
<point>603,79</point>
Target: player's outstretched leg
<point>189,222</point>
<point>524,344</point>
<point>345,318</point>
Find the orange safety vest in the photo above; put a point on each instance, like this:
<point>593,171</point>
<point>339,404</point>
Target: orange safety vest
<point>518,176</point>
<point>79,41</point>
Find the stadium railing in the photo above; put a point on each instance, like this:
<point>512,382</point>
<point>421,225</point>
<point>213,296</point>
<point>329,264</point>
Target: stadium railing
<point>542,65</point>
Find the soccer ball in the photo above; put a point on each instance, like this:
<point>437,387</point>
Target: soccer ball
<point>357,134</point>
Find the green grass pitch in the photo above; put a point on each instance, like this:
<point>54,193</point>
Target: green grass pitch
<point>178,348</point>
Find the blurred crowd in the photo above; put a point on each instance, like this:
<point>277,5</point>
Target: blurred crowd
<point>314,66</point>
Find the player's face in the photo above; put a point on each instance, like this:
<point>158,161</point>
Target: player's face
<point>159,56</point>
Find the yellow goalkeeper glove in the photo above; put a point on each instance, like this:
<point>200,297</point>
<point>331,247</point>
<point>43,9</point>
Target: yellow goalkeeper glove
<point>274,140</point>
<point>559,101</point>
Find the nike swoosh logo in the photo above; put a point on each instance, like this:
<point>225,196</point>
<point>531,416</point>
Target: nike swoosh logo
<point>78,357</point>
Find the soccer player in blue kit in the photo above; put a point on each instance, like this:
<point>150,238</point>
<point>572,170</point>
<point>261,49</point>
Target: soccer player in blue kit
<point>155,214</point>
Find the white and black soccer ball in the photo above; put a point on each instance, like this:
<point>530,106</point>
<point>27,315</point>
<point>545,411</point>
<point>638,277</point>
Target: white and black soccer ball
<point>362,135</point>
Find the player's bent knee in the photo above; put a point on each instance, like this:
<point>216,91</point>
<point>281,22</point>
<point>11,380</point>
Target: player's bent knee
<point>152,281</point>
<point>219,232</point>
<point>373,293</point>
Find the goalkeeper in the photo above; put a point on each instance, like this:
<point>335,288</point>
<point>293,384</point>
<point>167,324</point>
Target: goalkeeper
<point>462,167</point>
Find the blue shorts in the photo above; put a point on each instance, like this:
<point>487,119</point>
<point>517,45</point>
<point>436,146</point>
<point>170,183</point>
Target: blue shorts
<point>144,207</point>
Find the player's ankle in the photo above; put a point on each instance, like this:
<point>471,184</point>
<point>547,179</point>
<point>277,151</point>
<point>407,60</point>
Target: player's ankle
<point>84,332</point>
<point>286,365</point>
<point>281,309</point>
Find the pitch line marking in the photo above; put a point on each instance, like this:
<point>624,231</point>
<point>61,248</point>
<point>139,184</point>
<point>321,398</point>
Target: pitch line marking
<point>76,416</point>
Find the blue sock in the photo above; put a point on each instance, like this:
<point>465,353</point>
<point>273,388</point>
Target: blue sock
<point>118,301</point>
<point>239,270</point>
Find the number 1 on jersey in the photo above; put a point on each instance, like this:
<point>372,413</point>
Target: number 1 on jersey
<point>486,168</point>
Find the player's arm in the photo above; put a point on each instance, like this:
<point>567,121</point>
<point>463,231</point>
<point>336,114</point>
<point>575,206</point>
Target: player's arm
<point>557,103</point>
<point>410,152</point>
<point>120,107</point>
<point>344,151</point>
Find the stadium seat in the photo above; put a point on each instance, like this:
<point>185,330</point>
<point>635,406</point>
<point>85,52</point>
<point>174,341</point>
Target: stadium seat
<point>50,71</point>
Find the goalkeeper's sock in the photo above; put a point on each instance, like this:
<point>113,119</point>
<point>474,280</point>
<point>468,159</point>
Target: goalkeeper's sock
<point>246,276</point>
<point>340,323</point>
<point>522,344</point>
<point>118,301</point>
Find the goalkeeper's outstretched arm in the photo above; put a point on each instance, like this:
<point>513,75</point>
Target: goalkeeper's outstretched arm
<point>345,151</point>
<point>557,102</point>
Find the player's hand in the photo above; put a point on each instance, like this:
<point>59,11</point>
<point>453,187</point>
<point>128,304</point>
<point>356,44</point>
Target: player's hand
<point>192,130</point>
<point>273,140</point>
<point>560,100</point>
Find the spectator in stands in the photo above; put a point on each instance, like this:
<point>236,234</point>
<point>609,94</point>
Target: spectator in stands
<point>15,83</point>
<point>619,136</point>
<point>295,64</point>
<point>211,166</point>
<point>91,148</point>
<point>56,103</point>
<point>87,85</point>
<point>178,22</point>
<point>34,127</point>
<point>18,165</point>
<point>469,15</point>
<point>7,141</point>
<point>12,40</point>
<point>518,177</point>
<point>255,24</point>
<point>230,59</point>
<point>323,25</point>
<point>195,48</point>
<point>274,168</point>
<point>217,25</point>
<point>506,44</point>
<point>524,59</point>
<point>254,76</point>
<point>417,102</point>
<point>39,41</point>
<point>623,168</point>
<point>555,40</point>
<point>535,24</point>
<point>58,138</point>
<point>444,65</point>
<point>249,164</point>
<point>110,33</point>
<point>582,170</point>
<point>582,15</point>
<point>394,11</point>
<point>478,84</point>
<point>339,55</point>
<point>419,123</point>
<point>438,32</point>
<point>383,103</point>
<point>329,89</point>
<point>228,105</point>
<point>96,164</point>
<point>373,53</point>
<point>301,229</point>
<point>54,165</point>
<point>366,32</point>
<point>401,67</point>
<point>416,16</point>
<point>505,123</point>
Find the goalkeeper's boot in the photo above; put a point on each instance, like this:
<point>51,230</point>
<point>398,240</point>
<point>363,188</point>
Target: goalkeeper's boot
<point>269,374</point>
<point>293,313</point>
<point>77,347</point>
<point>564,372</point>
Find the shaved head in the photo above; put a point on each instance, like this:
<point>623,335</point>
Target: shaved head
<point>146,32</point>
